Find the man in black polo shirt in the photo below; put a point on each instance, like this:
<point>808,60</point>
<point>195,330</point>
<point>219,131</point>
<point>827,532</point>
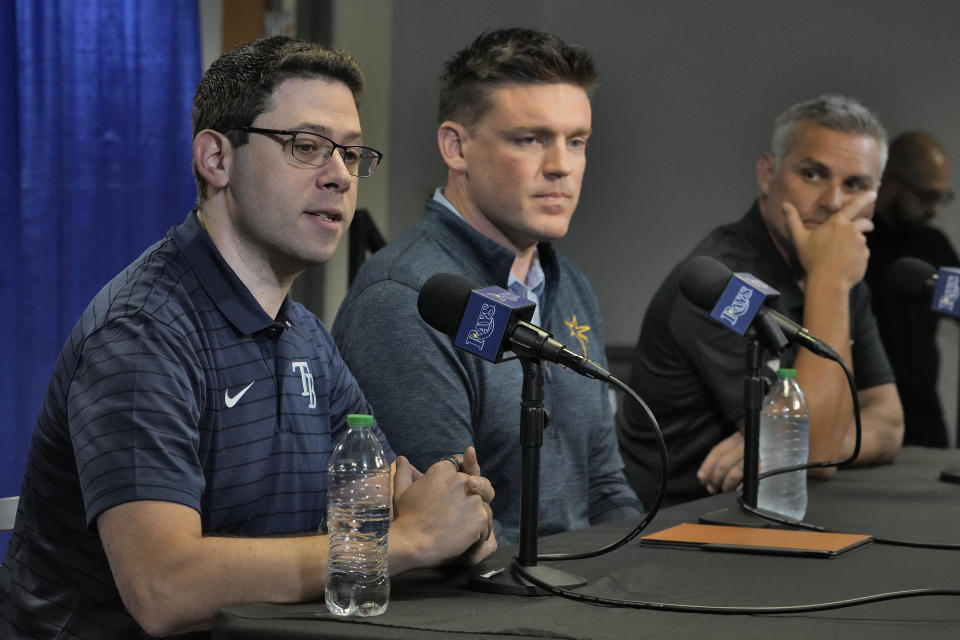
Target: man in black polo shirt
<point>804,236</point>
<point>179,461</point>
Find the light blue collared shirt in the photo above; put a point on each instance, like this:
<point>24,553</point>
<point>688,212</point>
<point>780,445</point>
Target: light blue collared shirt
<point>532,288</point>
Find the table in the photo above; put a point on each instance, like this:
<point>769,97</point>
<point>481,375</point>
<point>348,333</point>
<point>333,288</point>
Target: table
<point>904,500</point>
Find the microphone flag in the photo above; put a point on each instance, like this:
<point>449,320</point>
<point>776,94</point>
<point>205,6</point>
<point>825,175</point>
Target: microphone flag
<point>947,294</point>
<point>741,300</point>
<point>489,313</point>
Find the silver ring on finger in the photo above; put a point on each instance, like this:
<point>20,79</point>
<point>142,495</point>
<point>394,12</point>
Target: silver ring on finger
<point>455,461</point>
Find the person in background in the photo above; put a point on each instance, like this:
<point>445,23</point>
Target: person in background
<point>805,236</point>
<point>179,461</point>
<point>914,190</point>
<point>514,123</point>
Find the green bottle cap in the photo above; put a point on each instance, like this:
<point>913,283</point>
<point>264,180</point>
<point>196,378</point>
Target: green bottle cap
<point>787,373</point>
<point>359,420</point>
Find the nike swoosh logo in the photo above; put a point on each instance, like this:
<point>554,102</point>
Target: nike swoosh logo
<point>230,401</point>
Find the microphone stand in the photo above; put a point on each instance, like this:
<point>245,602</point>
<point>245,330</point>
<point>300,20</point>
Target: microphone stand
<point>532,424</point>
<point>753,403</point>
<point>753,392</point>
<point>952,474</point>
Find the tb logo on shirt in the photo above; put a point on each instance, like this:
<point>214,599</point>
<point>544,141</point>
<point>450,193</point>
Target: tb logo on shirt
<point>306,378</point>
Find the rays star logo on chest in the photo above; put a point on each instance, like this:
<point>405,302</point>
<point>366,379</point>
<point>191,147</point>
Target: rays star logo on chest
<point>578,331</point>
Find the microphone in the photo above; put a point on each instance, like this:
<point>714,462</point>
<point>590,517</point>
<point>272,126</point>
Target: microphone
<point>916,279</point>
<point>736,301</point>
<point>911,278</point>
<point>488,321</point>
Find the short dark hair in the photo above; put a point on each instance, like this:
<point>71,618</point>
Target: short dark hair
<point>505,56</point>
<point>238,85</point>
<point>833,111</point>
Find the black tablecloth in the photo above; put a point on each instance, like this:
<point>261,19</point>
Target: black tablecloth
<point>904,501</point>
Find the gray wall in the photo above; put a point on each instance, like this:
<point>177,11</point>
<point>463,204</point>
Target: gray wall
<point>689,90</point>
<point>688,93</point>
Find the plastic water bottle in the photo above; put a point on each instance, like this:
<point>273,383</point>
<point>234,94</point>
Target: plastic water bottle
<point>358,520</point>
<point>784,442</point>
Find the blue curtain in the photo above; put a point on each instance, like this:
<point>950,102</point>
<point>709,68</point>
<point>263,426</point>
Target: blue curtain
<point>94,167</point>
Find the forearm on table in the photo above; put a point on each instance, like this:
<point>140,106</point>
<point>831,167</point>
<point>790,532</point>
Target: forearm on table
<point>827,316</point>
<point>832,421</point>
<point>881,418</point>
<point>173,579</point>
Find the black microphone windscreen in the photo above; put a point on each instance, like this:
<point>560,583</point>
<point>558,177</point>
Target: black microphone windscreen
<point>910,278</point>
<point>703,280</point>
<point>442,301</point>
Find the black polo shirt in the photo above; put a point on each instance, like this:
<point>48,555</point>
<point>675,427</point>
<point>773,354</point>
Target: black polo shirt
<point>690,370</point>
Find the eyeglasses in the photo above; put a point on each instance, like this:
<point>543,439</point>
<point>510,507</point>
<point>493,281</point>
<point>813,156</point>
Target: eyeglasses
<point>927,196</point>
<point>315,150</point>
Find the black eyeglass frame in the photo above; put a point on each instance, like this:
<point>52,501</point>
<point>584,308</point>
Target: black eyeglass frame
<point>927,196</point>
<point>293,137</point>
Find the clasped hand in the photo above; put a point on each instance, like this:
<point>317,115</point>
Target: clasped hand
<point>722,469</point>
<point>449,511</point>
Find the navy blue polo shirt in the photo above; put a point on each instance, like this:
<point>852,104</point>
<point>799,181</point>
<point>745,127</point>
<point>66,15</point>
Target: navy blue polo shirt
<point>174,385</point>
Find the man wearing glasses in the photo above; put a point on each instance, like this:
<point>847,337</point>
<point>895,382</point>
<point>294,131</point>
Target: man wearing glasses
<point>914,190</point>
<point>179,461</point>
<point>514,120</point>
